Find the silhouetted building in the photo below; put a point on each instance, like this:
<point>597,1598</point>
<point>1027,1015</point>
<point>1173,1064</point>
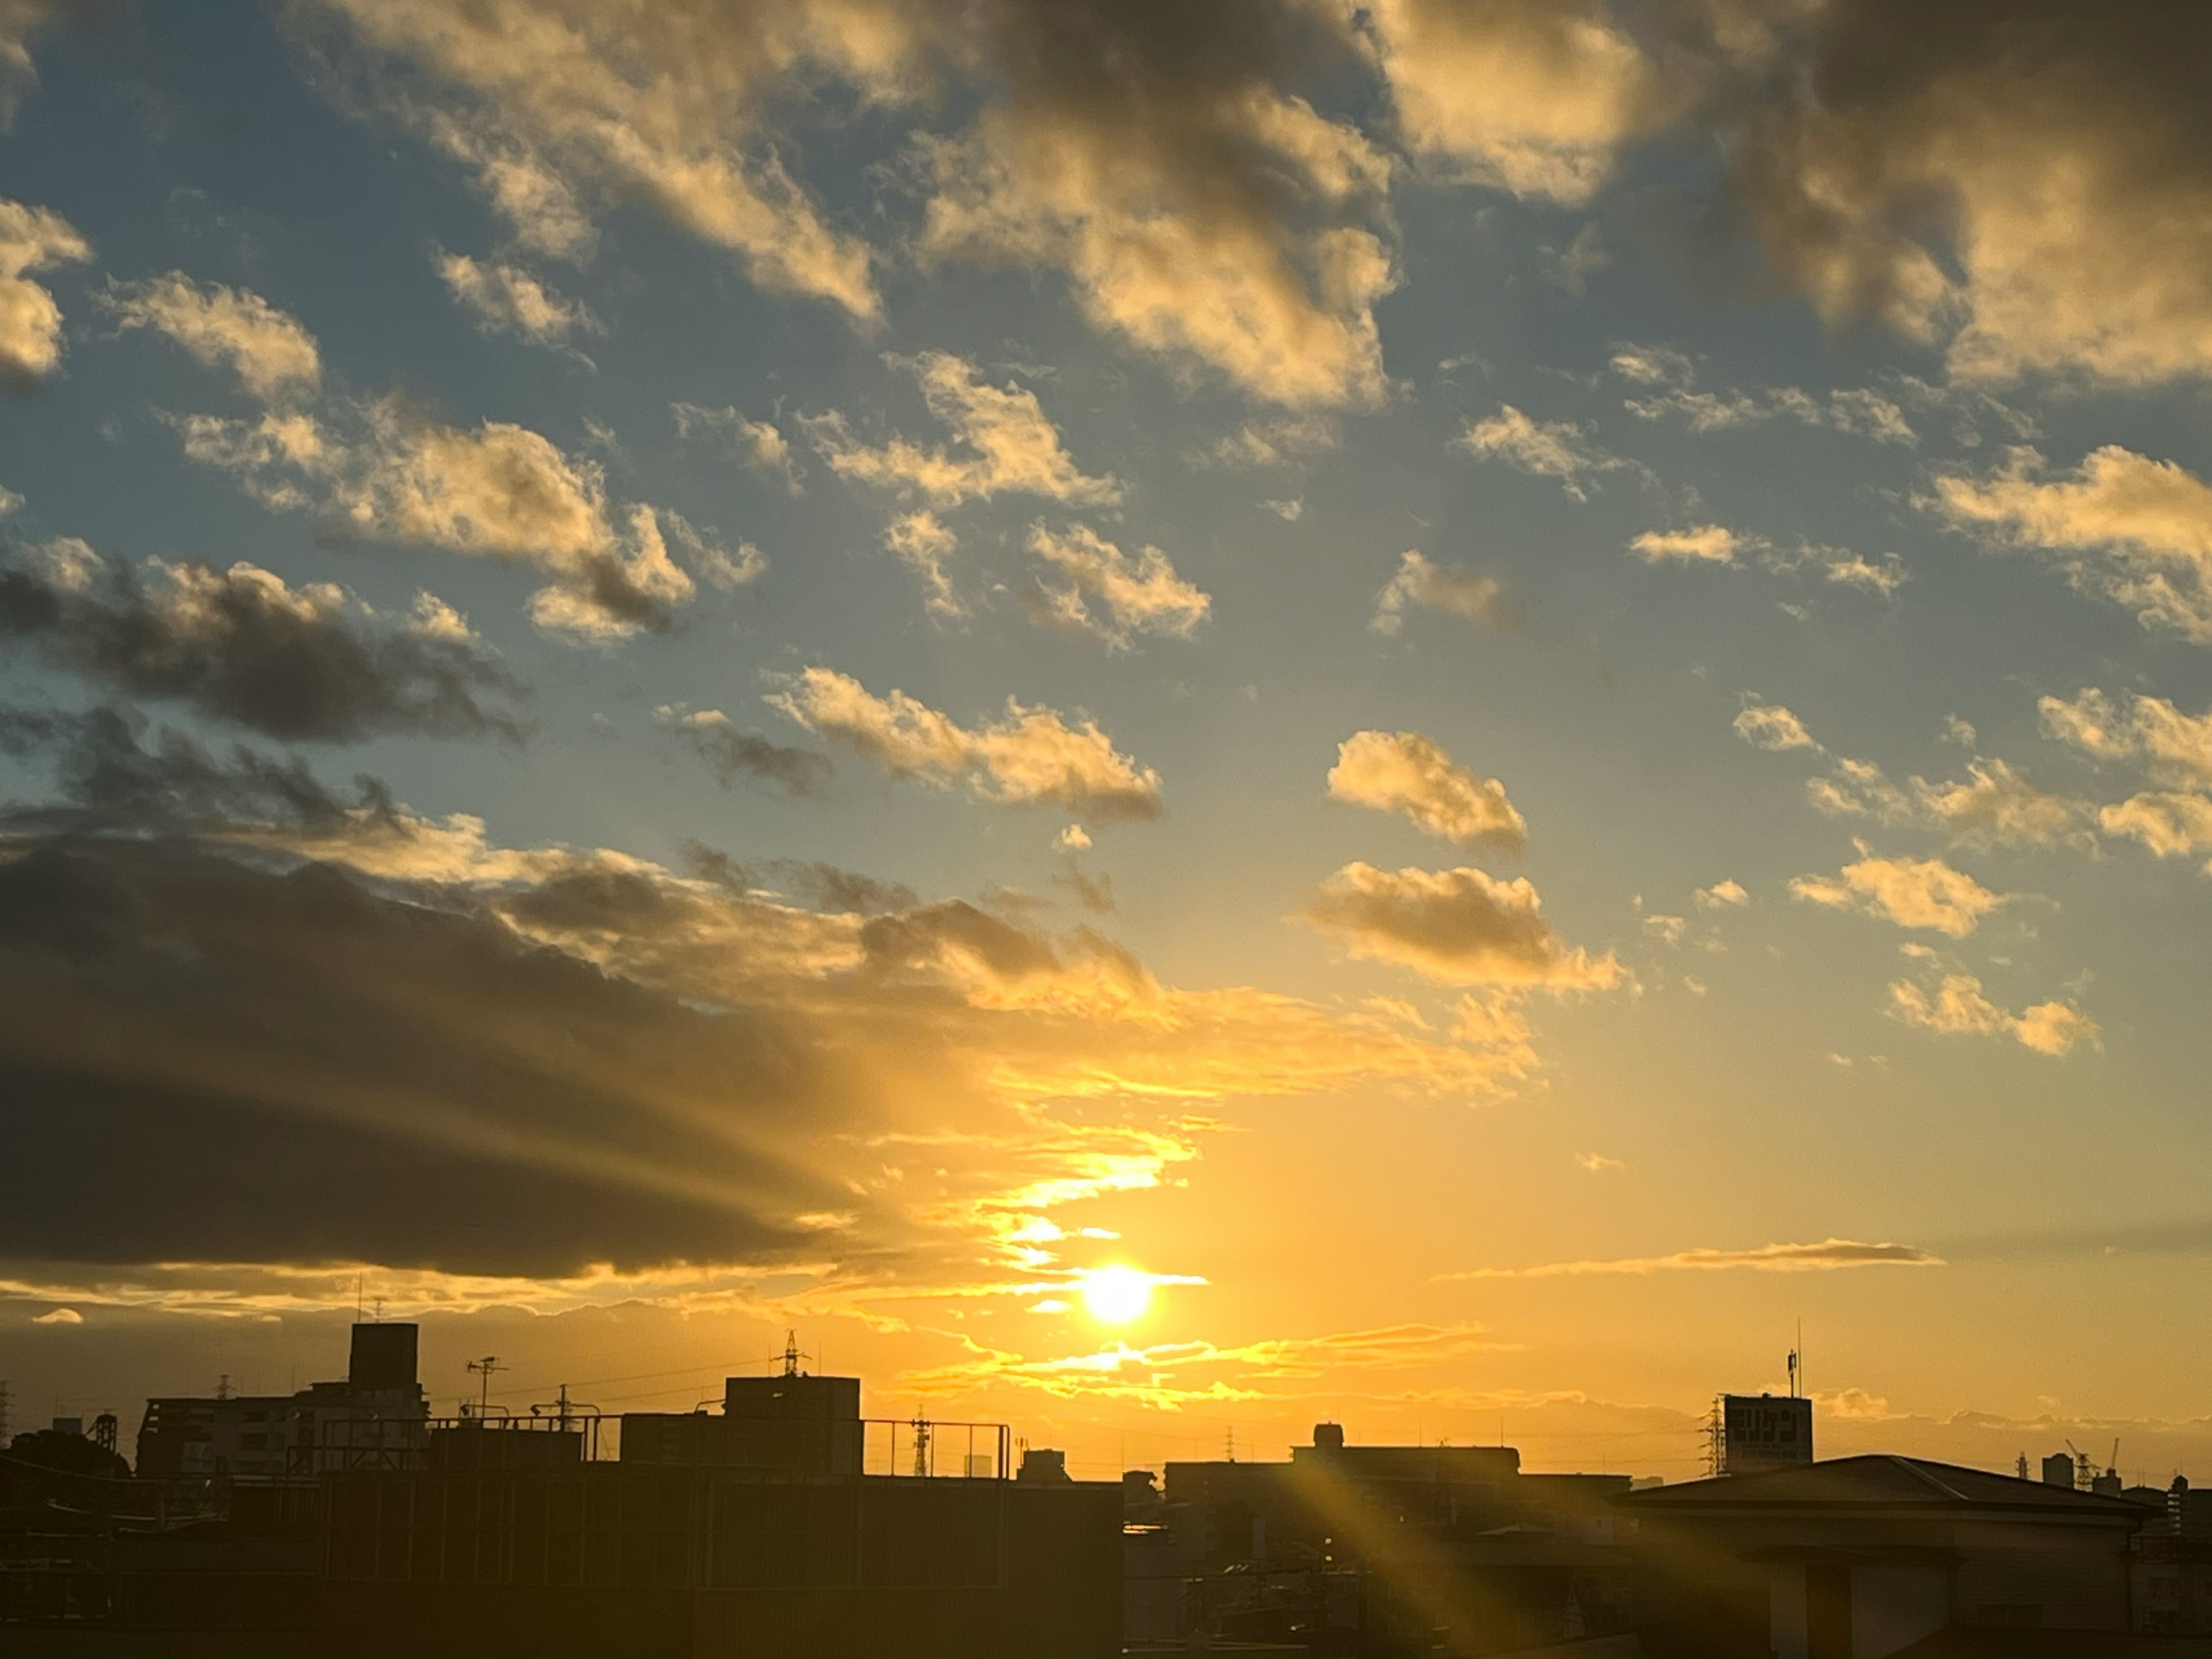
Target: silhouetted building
<point>785,1522</point>
<point>1863,1558</point>
<point>1765,1432</point>
<point>1382,1551</point>
<point>2173,1560</point>
<point>374,1418</point>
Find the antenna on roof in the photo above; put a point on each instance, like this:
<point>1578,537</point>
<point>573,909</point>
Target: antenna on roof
<point>486,1366</point>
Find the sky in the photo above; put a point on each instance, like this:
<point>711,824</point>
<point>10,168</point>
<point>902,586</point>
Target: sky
<point>1165,720</point>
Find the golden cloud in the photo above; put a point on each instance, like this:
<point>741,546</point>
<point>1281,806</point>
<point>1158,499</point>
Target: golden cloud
<point>1911,892</point>
<point>1030,757</point>
<point>32,239</point>
<point>1406,773</point>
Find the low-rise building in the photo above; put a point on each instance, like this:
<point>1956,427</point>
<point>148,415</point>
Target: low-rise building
<point>1382,1550</point>
<point>374,1418</point>
<point>785,1523</point>
<point>1862,1558</point>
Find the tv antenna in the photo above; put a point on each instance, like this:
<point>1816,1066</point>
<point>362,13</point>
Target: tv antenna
<point>484,1368</point>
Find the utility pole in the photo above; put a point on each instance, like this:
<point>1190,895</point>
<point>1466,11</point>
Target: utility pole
<point>485,1367</point>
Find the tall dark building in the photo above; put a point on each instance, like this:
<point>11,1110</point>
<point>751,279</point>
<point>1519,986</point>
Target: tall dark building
<point>383,1358</point>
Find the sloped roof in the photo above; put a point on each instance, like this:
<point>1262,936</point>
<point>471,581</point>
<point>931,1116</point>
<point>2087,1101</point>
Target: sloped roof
<point>1879,1480</point>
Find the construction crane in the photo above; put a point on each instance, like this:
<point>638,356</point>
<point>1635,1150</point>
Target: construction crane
<point>2085,1467</point>
<point>2084,1470</point>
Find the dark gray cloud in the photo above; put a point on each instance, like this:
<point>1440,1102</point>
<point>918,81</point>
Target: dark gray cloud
<point>205,1060</point>
<point>286,1061</point>
<point>302,665</point>
<point>736,757</point>
<point>2029,182</point>
<point>824,886</point>
<point>108,780</point>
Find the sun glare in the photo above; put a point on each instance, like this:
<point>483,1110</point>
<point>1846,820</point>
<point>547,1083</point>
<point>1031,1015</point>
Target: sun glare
<point>1115,1296</point>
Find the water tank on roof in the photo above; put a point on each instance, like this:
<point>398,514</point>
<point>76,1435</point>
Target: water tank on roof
<point>1042,1466</point>
<point>383,1358</point>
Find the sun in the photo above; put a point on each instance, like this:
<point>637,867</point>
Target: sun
<point>1115,1296</point>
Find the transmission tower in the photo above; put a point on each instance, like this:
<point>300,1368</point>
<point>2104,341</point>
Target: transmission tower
<point>791,1354</point>
<point>921,1443</point>
<point>566,1412</point>
<point>1715,1437</point>
<point>4,1425</point>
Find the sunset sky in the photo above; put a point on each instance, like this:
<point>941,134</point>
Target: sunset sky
<point>1167,719</point>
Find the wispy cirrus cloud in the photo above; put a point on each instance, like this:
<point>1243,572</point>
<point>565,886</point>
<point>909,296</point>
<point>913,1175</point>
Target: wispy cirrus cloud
<point>505,299</point>
<point>1828,1255</point>
<point>1549,449</point>
<point>1153,1374</point>
<point>1451,589</point>
<point>274,357</point>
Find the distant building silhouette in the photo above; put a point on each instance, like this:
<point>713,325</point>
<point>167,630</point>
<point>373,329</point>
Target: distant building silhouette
<point>1864,1558</point>
<point>374,1418</point>
<point>1374,1551</point>
<point>782,1524</point>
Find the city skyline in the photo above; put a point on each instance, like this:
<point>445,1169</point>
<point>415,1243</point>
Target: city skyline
<point>1168,722</point>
